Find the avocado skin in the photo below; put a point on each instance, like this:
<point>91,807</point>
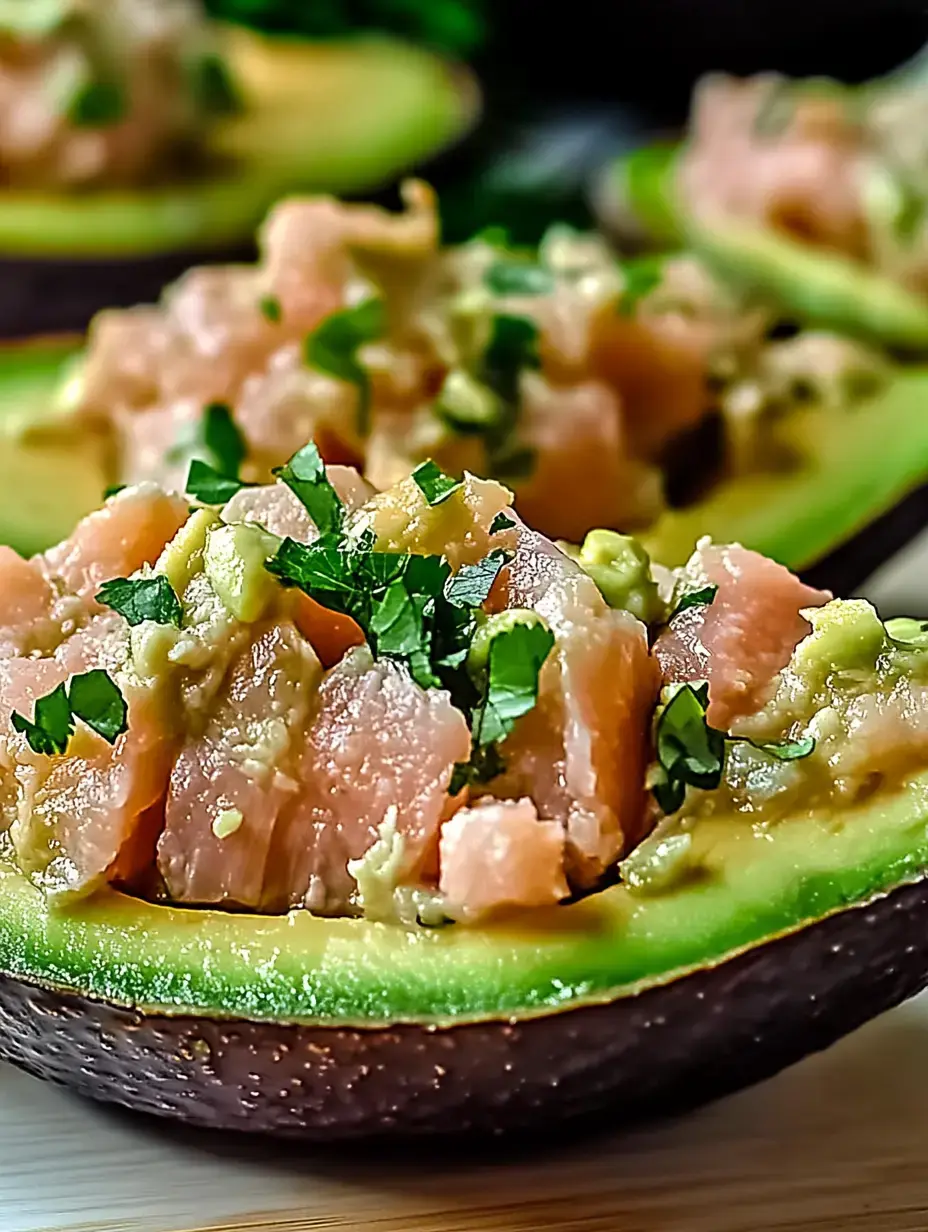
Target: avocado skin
<point>665,1050</point>
<point>60,296</point>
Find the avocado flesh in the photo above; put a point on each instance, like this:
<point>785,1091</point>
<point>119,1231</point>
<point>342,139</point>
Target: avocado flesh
<point>46,484</point>
<point>817,288</point>
<point>848,468</point>
<point>341,117</point>
<point>756,884</point>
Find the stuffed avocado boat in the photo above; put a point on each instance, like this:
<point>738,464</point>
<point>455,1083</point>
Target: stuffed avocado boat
<point>136,139</point>
<point>808,191</point>
<point>335,813</point>
<point>649,397</point>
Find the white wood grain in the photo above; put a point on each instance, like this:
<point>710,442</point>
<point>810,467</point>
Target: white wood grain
<point>837,1144</point>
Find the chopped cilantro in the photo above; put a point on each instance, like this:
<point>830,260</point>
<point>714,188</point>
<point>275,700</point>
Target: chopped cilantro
<point>138,599</point>
<point>95,698</point>
<point>434,484</point>
<point>333,347</point>
<point>92,697</point>
<point>306,477</point>
<point>222,439</point>
<point>271,309</point>
<point>472,584</point>
<point>513,346</point>
<point>214,86</point>
<point>694,598</point>
<point>518,278</point>
<point>98,104</point>
<point>642,275</point>
<point>113,490</point>
<point>209,486</point>
<point>690,753</point>
<point>53,725</point>
<point>501,522</point>
<point>516,657</point>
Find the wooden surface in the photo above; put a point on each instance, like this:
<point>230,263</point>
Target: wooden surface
<point>836,1144</point>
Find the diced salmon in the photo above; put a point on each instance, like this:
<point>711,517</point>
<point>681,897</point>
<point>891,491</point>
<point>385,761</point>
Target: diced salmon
<point>500,855</point>
<point>746,635</point>
<point>379,748</point>
<point>129,531</point>
<point>78,811</point>
<point>239,773</point>
<point>25,604</point>
<point>582,475</point>
<point>581,753</point>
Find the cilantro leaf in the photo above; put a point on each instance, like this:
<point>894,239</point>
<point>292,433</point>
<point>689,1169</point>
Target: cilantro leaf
<point>333,347</point>
<point>690,753</point>
<point>113,490</point>
<point>95,698</point>
<point>306,477</point>
<point>513,346</point>
<point>434,484</point>
<point>214,87</point>
<point>471,585</point>
<point>518,278</point>
<point>642,276</point>
<point>138,599</point>
<point>53,725</point>
<point>271,309</point>
<point>516,657</point>
<point>222,438</point>
<point>694,598</point>
<point>485,764</point>
<point>98,104</point>
<point>92,697</point>
<point>209,486</point>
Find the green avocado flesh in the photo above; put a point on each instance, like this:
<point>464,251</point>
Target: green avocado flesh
<point>46,484</point>
<point>340,117</point>
<point>756,883</point>
<point>818,288</point>
<point>843,468</point>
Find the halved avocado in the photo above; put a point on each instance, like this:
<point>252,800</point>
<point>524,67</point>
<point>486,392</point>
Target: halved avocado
<point>637,198</point>
<point>342,117</point>
<point>783,939</point>
<point>852,491</point>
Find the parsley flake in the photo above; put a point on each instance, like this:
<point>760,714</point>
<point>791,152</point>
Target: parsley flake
<point>98,104</point>
<point>434,484</point>
<point>92,697</point>
<point>642,276</point>
<point>694,598</point>
<point>471,585</point>
<point>139,599</point>
<point>209,486</point>
<point>222,439</point>
<point>516,657</point>
<point>270,308</point>
<point>333,348</point>
<point>305,476</point>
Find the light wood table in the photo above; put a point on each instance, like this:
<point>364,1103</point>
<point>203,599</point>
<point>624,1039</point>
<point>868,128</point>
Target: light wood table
<point>836,1144</point>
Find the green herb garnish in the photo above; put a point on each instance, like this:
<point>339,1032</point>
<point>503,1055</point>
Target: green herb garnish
<point>333,347</point>
<point>214,86</point>
<point>209,486</point>
<point>518,278</point>
<point>642,276</point>
<point>691,753</point>
<point>306,477</point>
<point>113,490</point>
<point>98,104</point>
<point>471,585</point>
<point>222,439</point>
<point>694,598</point>
<point>140,599</point>
<point>92,697</point>
<point>501,522</point>
<point>434,484</point>
<point>516,657</point>
<point>271,309</point>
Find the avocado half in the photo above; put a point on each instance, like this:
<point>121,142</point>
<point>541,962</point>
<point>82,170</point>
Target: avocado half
<point>636,199</point>
<point>853,489</point>
<point>781,942</point>
<point>345,117</point>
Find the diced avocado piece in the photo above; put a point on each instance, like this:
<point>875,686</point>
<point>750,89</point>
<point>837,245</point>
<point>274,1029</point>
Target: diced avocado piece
<point>634,196</point>
<point>621,568</point>
<point>234,559</point>
<point>846,633</point>
<point>183,556</point>
<point>340,117</point>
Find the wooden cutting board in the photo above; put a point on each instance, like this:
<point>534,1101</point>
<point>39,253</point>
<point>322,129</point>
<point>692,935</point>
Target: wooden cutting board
<point>836,1144</point>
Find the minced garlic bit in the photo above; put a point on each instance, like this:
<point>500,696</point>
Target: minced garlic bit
<point>227,822</point>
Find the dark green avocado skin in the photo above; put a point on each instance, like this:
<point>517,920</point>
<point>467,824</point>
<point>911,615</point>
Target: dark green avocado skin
<point>45,296</point>
<point>665,1050</point>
